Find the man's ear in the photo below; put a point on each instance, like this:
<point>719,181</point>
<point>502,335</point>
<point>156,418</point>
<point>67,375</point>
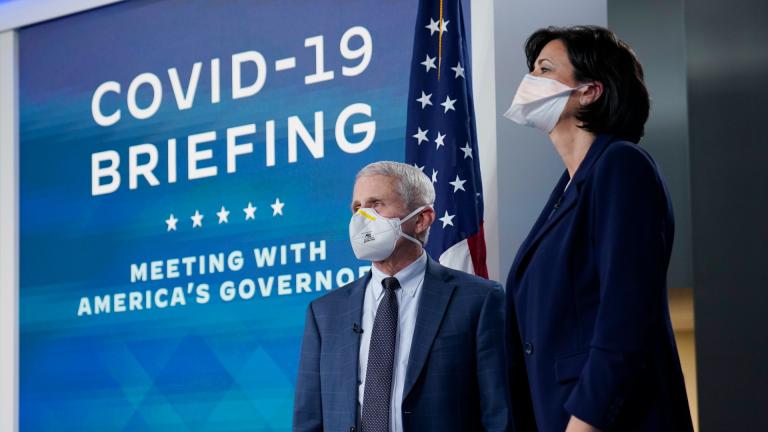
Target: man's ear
<point>592,93</point>
<point>425,219</point>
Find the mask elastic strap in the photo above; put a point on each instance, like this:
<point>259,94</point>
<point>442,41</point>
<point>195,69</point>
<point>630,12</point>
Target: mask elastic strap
<point>414,213</point>
<point>407,237</point>
<point>410,215</point>
<point>572,89</point>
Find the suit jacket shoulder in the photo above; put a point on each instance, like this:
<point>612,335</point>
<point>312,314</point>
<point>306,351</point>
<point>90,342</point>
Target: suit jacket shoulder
<point>339,294</point>
<point>465,280</point>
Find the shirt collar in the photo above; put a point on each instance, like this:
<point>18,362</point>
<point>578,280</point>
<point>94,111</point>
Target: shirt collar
<point>410,277</point>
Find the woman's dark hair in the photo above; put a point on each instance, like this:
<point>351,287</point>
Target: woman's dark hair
<point>597,55</point>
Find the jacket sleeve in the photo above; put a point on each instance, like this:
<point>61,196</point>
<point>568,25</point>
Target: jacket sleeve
<point>630,245</point>
<point>491,363</point>
<point>307,408</point>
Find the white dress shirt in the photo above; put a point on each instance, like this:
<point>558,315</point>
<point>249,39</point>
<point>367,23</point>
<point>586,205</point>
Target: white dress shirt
<point>411,278</point>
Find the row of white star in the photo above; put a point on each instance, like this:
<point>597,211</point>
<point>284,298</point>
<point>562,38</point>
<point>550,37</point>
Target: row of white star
<point>421,135</point>
<point>434,26</point>
<point>429,63</point>
<point>426,99</point>
<point>457,184</point>
<point>223,214</point>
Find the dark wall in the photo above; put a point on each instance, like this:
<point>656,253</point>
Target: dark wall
<point>728,112</point>
<point>655,31</point>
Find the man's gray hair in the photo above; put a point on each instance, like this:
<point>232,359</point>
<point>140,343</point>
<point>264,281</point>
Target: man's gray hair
<point>413,186</point>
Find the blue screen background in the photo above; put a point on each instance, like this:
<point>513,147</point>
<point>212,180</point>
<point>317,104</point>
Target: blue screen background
<point>214,366</point>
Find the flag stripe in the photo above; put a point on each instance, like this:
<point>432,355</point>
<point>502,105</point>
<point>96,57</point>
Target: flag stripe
<point>476,245</point>
<point>458,257</point>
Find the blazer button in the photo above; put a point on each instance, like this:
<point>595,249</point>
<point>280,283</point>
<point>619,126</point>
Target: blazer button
<point>528,349</point>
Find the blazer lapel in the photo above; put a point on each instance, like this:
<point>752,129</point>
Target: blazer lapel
<point>554,213</point>
<point>435,296</point>
<point>540,222</point>
<point>561,202</point>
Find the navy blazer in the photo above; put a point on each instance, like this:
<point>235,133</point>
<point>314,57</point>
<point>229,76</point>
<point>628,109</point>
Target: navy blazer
<point>455,380</point>
<point>588,293</point>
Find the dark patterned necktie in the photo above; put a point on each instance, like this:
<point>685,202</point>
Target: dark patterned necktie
<point>381,357</point>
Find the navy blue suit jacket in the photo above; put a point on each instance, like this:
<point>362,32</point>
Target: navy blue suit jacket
<point>455,380</point>
<point>588,294</point>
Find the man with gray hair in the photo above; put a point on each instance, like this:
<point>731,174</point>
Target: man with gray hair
<point>412,345</point>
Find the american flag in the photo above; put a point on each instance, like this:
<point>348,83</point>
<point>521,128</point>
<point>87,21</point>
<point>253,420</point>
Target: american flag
<point>441,138</point>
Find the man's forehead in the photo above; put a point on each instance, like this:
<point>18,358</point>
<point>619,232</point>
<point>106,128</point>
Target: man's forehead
<point>374,187</point>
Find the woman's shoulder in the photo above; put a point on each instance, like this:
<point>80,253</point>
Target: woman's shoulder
<point>625,168</point>
<point>625,158</point>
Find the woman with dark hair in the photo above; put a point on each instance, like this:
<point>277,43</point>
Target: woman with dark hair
<point>590,333</point>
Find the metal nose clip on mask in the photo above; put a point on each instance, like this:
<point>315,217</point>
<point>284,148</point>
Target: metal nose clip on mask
<point>539,102</point>
<point>374,237</point>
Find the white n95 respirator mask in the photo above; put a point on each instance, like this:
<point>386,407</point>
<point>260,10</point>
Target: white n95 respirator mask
<point>539,102</point>
<point>374,236</point>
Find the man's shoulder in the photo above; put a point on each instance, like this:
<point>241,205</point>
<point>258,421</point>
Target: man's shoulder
<point>467,281</point>
<point>337,295</point>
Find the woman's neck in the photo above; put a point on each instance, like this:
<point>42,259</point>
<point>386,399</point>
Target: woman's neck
<point>572,143</point>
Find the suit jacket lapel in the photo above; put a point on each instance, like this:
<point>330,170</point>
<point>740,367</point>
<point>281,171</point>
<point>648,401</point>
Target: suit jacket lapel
<point>355,308</point>
<point>356,298</point>
<point>435,296</point>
